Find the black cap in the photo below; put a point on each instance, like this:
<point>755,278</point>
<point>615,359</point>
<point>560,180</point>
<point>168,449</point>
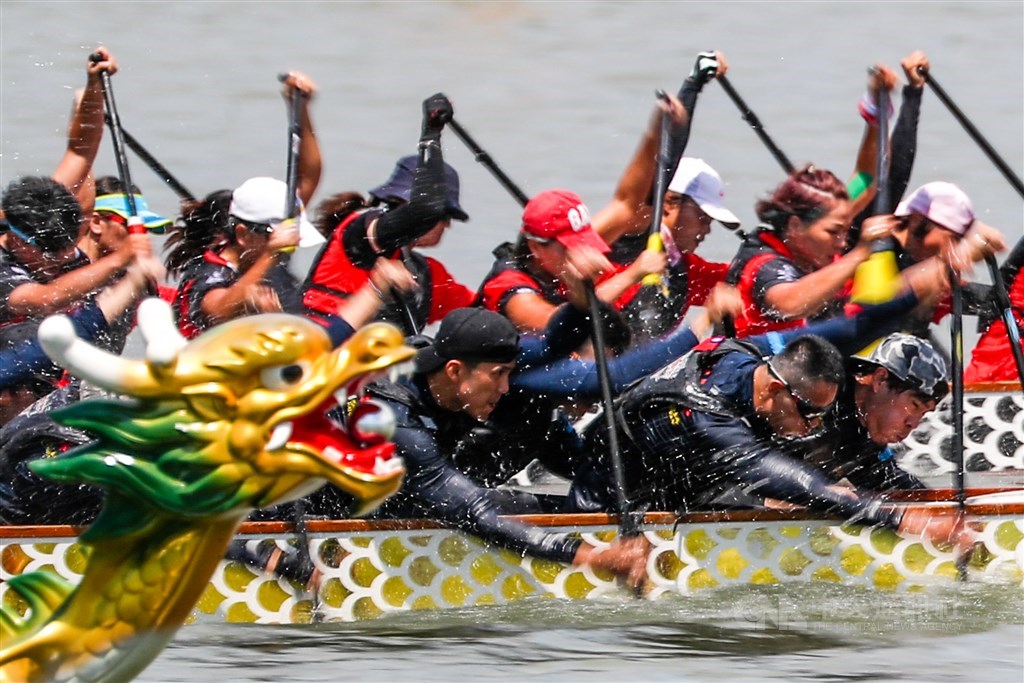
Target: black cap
<point>399,186</point>
<point>470,334</point>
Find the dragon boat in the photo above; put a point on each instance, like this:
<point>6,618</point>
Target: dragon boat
<point>368,569</point>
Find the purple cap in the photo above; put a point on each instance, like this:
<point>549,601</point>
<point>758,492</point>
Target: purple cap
<point>944,204</point>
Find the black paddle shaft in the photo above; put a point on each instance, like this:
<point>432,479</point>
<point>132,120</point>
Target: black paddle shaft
<point>882,169</point>
<point>294,140</point>
<point>661,170</point>
<point>755,123</point>
<point>957,343</point>
<point>628,521</point>
<point>484,158</point>
<point>158,168</point>
<point>975,134</point>
<point>116,134</point>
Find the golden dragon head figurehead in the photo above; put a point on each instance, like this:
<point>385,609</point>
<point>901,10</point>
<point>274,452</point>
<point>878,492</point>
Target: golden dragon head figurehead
<point>239,417</point>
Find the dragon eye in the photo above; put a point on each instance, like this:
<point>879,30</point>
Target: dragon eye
<point>280,377</point>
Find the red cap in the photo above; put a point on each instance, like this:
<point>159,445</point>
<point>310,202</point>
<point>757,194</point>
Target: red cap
<point>561,215</point>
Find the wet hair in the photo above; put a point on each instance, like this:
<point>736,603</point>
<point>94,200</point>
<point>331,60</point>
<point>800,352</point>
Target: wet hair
<point>201,224</point>
<point>109,184</point>
<point>43,210</point>
<point>336,208</point>
<point>810,359</point>
<point>806,194</point>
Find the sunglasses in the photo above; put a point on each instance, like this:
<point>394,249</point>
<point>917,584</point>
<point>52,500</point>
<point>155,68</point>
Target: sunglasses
<point>808,411</point>
<point>258,228</point>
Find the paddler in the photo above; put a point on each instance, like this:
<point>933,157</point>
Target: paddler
<point>459,379</point>
<point>411,210</point>
<point>728,414</point>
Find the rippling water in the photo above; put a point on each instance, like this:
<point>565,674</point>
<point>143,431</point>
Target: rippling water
<point>776,633</point>
<point>558,93</point>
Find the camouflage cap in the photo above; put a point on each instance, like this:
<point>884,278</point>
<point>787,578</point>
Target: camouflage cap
<point>912,360</point>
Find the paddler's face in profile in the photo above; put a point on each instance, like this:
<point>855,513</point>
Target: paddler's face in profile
<point>792,413</point>
<point>924,239</point>
<point>479,386</point>
<point>433,237</point>
<point>890,412</point>
<point>819,241</point>
<point>687,222</point>
<point>549,255</point>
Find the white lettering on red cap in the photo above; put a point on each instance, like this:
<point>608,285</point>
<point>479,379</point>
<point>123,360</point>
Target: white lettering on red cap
<point>579,217</point>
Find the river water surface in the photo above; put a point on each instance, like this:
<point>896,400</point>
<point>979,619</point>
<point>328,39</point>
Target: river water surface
<point>558,93</point>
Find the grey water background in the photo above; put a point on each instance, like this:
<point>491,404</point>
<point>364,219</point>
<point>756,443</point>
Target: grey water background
<point>558,93</point>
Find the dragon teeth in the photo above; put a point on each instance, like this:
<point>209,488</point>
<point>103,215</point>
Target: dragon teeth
<point>333,453</point>
<point>382,467</point>
<point>341,396</point>
<point>399,370</point>
<point>279,438</point>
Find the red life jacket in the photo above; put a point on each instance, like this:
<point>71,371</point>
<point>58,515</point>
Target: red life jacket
<point>754,321</point>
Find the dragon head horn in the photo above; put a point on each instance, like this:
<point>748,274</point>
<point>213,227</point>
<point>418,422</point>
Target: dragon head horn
<point>58,337</point>
<point>163,341</point>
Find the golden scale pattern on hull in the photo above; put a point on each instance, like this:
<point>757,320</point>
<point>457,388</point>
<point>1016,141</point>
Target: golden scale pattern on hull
<point>372,573</point>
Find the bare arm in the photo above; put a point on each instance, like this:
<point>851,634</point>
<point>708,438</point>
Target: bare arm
<point>812,292</point>
<point>387,277</point>
<point>116,298</point>
<point>248,291</point>
<point>39,299</point>
<point>867,154</point>
<point>648,262</point>
<point>629,211</point>
<point>310,161</point>
<point>85,131</point>
<point>529,311</point>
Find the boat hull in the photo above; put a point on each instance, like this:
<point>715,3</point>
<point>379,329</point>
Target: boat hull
<point>372,569</point>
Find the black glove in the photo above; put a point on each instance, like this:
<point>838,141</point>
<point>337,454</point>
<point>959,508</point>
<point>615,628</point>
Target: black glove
<point>437,111</point>
<point>705,68</point>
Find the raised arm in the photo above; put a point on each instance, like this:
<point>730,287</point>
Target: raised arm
<point>861,184</point>
<point>405,224</point>
<point>630,210</point>
<point>40,299</point>
<point>310,162</point>
<point>85,131</point>
<point>904,134</point>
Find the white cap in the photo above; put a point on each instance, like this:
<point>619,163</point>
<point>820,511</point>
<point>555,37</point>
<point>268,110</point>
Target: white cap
<point>701,183</point>
<point>263,200</point>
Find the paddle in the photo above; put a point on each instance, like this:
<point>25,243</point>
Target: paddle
<point>158,168</point>
<point>295,104</point>
<point>877,279</point>
<point>628,521</point>
<point>957,372</point>
<point>135,226</point>
<point>755,123</point>
<point>484,158</point>
<point>654,240</point>
<point>975,134</point>
<point>1006,310</point>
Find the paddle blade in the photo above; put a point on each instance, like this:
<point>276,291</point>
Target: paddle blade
<point>877,280</point>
